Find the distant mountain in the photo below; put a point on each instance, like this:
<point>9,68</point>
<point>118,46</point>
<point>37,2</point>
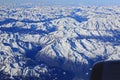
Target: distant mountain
<point>57,43</point>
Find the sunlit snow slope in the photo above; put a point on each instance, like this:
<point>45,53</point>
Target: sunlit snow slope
<point>57,43</point>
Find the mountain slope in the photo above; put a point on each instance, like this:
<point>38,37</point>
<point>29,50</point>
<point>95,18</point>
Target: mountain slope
<point>35,41</point>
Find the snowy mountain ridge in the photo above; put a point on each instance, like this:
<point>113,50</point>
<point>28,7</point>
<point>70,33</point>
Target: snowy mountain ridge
<point>36,41</point>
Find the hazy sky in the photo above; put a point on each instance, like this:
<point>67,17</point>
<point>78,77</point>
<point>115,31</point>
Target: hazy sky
<point>61,2</point>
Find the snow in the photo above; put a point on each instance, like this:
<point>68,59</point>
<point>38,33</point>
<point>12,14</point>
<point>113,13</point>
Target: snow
<point>32,40</point>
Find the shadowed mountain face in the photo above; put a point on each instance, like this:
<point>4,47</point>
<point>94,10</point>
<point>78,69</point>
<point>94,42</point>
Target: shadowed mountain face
<point>58,43</point>
<point>6,21</point>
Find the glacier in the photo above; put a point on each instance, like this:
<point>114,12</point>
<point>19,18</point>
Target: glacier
<point>57,43</point>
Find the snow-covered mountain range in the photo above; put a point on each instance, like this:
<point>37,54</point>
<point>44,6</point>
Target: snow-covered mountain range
<point>57,43</point>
